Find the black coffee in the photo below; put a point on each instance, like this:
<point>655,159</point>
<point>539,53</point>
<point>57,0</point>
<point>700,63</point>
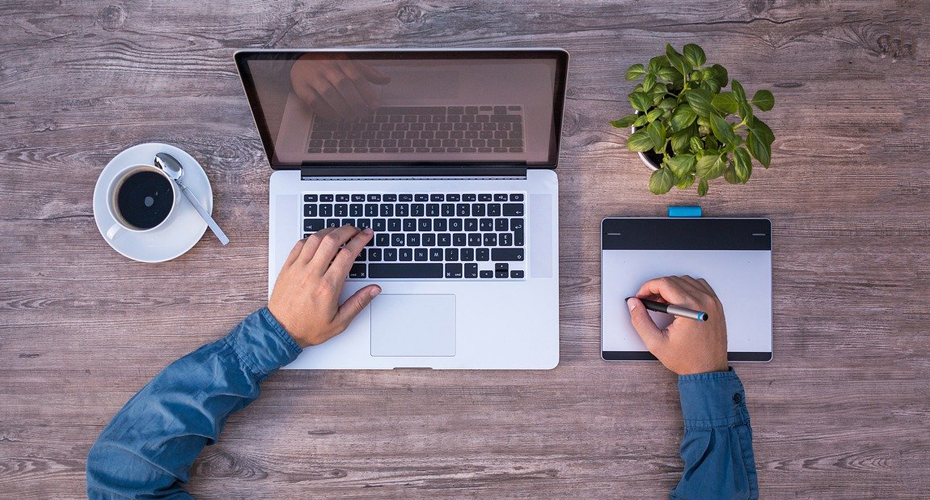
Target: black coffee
<point>144,199</point>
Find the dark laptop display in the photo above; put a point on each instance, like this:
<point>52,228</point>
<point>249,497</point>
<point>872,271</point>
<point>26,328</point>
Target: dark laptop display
<point>443,107</point>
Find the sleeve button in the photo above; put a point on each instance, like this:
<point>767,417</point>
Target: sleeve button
<point>737,398</point>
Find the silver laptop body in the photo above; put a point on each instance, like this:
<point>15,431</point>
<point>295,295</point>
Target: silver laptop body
<point>450,156</point>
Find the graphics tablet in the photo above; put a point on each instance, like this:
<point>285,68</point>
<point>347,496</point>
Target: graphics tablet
<point>733,255</point>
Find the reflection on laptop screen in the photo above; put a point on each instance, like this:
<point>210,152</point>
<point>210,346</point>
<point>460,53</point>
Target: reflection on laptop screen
<point>391,107</point>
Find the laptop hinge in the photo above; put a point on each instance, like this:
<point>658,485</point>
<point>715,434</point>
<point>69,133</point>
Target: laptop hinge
<point>427,172</point>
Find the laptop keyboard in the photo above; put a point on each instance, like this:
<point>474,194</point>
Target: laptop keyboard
<point>424,129</point>
<point>429,235</point>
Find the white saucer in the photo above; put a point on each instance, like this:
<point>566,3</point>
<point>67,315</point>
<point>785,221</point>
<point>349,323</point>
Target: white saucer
<point>181,231</point>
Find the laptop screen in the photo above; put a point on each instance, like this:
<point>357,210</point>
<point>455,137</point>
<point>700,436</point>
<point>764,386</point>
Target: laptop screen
<point>426,107</point>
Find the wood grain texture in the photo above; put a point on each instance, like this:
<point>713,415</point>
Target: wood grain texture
<point>842,412</point>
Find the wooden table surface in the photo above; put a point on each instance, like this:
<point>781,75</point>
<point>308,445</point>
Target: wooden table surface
<point>843,411</point>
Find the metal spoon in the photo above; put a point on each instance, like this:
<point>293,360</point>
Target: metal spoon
<point>172,168</point>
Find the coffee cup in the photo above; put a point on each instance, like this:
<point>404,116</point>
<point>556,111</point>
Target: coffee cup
<point>140,199</point>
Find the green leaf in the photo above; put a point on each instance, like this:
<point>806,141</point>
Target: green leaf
<point>652,115</point>
<point>668,74</point>
<point>656,132</point>
<point>738,91</point>
<point>759,149</point>
<point>661,181</point>
<point>696,143</point>
<point>694,54</point>
<point>677,61</point>
<point>640,101</point>
<point>668,103</point>
<point>725,103</point>
<point>681,140</point>
<point>764,100</point>
<point>681,165</point>
<point>723,130</point>
<point>710,142</point>
<point>640,120</point>
<point>657,63</point>
<point>711,166</point>
<point>742,164</point>
<point>745,110</point>
<point>624,122</point>
<point>711,85</point>
<point>730,175</point>
<point>649,82</point>
<point>702,187</point>
<point>719,75</point>
<point>639,141</point>
<point>762,130</point>
<point>635,72</point>
<point>685,182</point>
<point>700,101</point>
<point>683,117</point>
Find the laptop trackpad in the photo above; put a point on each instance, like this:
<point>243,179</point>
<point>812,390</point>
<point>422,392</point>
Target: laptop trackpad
<point>413,325</point>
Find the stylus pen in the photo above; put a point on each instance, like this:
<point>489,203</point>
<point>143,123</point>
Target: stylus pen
<point>683,312</point>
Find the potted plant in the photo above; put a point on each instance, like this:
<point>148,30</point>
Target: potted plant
<point>686,127</point>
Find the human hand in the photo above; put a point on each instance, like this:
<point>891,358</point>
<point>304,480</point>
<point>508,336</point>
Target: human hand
<point>686,346</point>
<point>337,89</point>
<point>305,299</point>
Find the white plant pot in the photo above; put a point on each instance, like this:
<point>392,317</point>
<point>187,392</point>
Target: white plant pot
<point>642,156</point>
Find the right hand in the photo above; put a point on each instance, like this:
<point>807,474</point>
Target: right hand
<point>337,89</point>
<point>686,346</point>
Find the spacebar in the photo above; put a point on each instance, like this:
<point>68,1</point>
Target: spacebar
<point>404,270</point>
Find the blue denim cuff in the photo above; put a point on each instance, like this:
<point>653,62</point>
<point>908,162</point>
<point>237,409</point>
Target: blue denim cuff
<point>262,343</point>
<point>714,399</point>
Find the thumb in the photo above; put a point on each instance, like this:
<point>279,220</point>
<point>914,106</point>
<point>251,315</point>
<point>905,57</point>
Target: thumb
<point>356,304</point>
<point>375,76</point>
<point>645,327</point>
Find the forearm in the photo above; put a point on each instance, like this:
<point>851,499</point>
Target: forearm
<point>717,445</point>
<point>151,443</point>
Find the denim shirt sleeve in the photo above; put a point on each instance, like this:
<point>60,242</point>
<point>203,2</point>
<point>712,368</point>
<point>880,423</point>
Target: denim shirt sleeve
<point>717,445</point>
<point>148,448</point>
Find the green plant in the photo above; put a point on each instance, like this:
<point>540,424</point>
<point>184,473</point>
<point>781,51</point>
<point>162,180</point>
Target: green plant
<point>681,121</point>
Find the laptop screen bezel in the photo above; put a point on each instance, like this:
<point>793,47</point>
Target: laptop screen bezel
<point>560,56</point>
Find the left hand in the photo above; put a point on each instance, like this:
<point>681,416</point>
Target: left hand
<point>305,299</point>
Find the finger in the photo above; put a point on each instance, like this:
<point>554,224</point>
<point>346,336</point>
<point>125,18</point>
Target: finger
<point>346,89</point>
<point>373,75</point>
<point>667,288</point>
<point>355,304</point>
<point>364,89</point>
<point>330,95</point>
<point>312,243</point>
<point>329,247</point>
<point>342,264</point>
<point>295,252</point>
<point>644,326</point>
<point>706,286</point>
<point>693,284</point>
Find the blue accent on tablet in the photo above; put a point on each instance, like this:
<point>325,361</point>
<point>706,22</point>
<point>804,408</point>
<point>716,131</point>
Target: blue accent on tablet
<point>694,211</point>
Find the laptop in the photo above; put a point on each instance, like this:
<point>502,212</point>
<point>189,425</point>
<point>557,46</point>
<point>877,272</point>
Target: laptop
<point>449,155</point>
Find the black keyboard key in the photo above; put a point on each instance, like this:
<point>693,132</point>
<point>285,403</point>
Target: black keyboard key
<point>500,224</point>
<point>310,198</point>
<point>516,274</point>
<point>417,209</point>
<point>383,240</point>
<point>467,254</point>
<point>410,225</point>
<point>463,209</point>
<point>357,271</point>
<point>406,197</point>
<point>313,225</point>
<point>459,239</point>
<point>500,197</point>
<point>332,223</point>
<point>364,223</point>
<point>362,256</point>
<point>494,209</point>
<point>516,197</point>
<point>490,240</point>
<point>393,225</point>
<point>485,197</point>
<point>374,197</point>
<point>471,225</point>
<point>482,255</point>
<point>510,254</point>
<point>374,254</point>
<point>429,240</point>
<point>326,210</point>
<point>516,224</point>
<point>455,225</point>
<point>440,225</point>
<point>453,270</point>
<point>348,222</point>
<point>421,197</point>
<point>474,240</point>
<point>342,197</point>
<point>406,254</point>
<point>412,270</point>
<point>444,239</point>
<point>471,270</point>
<point>469,197</point>
<point>513,209</point>
<point>453,197</point>
<point>420,254</point>
<point>371,210</point>
<point>436,197</point>
<point>398,240</point>
<point>505,240</point>
<point>413,240</point>
<point>326,198</point>
<point>478,209</point>
<point>389,197</point>
<point>387,210</point>
<point>355,210</point>
<point>518,237</point>
<point>309,210</point>
<point>487,274</point>
<point>358,198</point>
<point>452,254</point>
<point>379,225</point>
<point>390,254</point>
<point>402,210</point>
<point>486,225</point>
<point>425,225</point>
<point>448,210</point>
<point>435,254</point>
<point>432,210</point>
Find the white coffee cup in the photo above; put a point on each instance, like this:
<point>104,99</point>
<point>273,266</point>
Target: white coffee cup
<point>149,202</point>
